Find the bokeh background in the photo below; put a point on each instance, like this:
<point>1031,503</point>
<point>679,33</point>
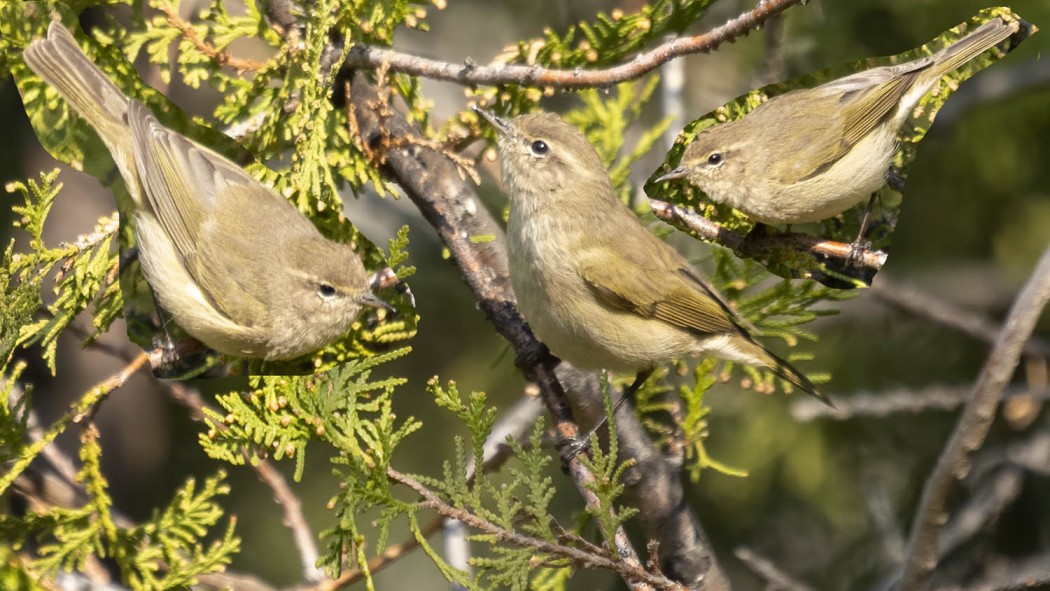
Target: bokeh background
<point>829,501</point>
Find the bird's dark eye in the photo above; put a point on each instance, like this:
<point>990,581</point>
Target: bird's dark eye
<point>714,159</point>
<point>326,291</point>
<point>540,148</point>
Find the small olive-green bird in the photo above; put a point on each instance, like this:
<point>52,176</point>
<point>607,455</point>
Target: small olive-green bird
<point>813,153</point>
<point>594,284</point>
<point>234,264</point>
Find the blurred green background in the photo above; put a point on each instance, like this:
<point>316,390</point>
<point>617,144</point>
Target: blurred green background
<point>827,501</point>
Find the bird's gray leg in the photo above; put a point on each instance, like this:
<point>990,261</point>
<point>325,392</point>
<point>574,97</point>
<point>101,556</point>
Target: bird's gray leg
<point>583,442</point>
<point>859,246</point>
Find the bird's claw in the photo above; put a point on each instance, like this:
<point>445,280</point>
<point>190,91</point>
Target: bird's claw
<point>570,448</point>
<point>857,250</point>
<point>532,355</point>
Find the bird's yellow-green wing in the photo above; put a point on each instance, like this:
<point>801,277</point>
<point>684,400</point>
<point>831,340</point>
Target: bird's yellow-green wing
<point>862,113</point>
<point>184,183</point>
<point>840,114</point>
<point>654,290</point>
<point>170,183</point>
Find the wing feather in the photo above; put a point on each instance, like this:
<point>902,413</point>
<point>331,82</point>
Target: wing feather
<point>655,291</point>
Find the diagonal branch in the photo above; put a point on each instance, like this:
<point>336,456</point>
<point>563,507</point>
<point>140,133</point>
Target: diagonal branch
<point>514,425</point>
<point>82,409</point>
<point>973,425</point>
<point>631,571</point>
<point>776,579</point>
<point>469,74</point>
<point>755,244</point>
<point>451,206</point>
<point>283,494</point>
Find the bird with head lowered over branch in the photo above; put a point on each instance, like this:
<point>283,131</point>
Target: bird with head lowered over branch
<point>234,263</point>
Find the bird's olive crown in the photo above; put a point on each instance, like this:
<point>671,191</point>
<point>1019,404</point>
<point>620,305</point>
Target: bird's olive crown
<point>709,152</point>
<point>330,270</point>
<point>542,152</point>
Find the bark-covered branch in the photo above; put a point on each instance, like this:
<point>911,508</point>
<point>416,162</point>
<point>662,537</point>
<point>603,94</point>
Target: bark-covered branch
<point>451,206</point>
<point>632,571</point>
<point>972,428</point>
<point>469,73</point>
<point>755,244</point>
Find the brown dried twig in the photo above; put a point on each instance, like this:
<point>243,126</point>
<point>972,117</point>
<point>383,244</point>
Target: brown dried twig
<point>758,243</point>
<point>432,182</point>
<point>223,58</point>
<point>469,73</point>
<point>633,573</point>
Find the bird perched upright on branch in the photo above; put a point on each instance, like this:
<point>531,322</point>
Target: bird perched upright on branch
<point>594,284</point>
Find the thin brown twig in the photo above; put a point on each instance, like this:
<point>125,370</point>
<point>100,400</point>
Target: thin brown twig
<point>632,572</point>
<point>468,73</point>
<point>775,579</point>
<point>283,494</point>
<point>513,425</point>
<point>107,386</point>
<point>757,243</point>
<point>223,58</point>
<point>972,428</point>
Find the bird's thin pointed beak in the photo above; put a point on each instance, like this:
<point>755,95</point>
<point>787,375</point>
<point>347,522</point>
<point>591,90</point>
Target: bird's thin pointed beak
<point>371,299</point>
<point>678,173</point>
<point>502,125</point>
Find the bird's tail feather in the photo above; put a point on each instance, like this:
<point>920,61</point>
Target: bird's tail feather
<point>982,39</point>
<point>58,60</point>
<point>755,354</point>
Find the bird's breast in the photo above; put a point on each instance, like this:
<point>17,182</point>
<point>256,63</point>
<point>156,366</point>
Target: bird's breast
<point>564,312</point>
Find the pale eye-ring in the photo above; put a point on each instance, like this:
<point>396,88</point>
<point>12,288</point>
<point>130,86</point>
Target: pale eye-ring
<point>539,148</point>
<point>326,291</point>
<point>715,159</point>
